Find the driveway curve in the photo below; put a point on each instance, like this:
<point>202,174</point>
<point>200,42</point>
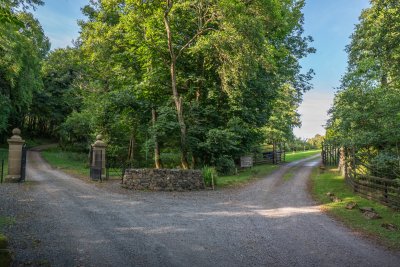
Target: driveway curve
<point>63,221</point>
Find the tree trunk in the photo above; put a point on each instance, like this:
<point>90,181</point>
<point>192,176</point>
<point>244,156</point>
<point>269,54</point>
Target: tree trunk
<point>157,158</point>
<point>132,146</point>
<point>177,99</point>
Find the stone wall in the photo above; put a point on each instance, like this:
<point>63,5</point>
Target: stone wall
<point>163,179</point>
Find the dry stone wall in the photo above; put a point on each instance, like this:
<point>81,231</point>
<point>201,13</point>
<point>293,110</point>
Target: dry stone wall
<point>163,179</point>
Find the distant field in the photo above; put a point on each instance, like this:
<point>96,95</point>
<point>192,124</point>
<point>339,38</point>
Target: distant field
<point>293,156</point>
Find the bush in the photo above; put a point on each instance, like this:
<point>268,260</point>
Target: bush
<point>209,175</point>
<point>225,165</point>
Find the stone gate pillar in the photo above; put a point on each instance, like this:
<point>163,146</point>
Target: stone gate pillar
<point>99,154</point>
<point>14,156</point>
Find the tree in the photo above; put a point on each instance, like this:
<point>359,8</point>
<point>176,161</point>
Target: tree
<point>366,109</point>
<point>22,47</point>
<point>219,64</point>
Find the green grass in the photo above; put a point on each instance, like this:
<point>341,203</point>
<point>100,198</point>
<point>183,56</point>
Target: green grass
<point>263,170</point>
<point>70,162</point>
<point>331,181</point>
<point>246,175</point>
<point>293,156</point>
<point>288,175</point>
<point>4,156</point>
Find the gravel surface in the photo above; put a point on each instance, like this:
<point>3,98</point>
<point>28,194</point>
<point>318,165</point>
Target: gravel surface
<point>63,221</point>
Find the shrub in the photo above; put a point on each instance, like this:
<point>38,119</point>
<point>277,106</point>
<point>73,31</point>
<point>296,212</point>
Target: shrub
<point>209,175</point>
<point>225,165</point>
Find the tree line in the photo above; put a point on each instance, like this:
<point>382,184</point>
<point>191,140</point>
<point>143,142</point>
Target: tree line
<point>208,80</point>
<point>366,111</point>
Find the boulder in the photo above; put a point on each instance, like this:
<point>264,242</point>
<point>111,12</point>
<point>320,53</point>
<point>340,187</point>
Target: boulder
<point>351,205</point>
<point>390,226</point>
<point>335,199</point>
<point>364,209</point>
<point>371,215</point>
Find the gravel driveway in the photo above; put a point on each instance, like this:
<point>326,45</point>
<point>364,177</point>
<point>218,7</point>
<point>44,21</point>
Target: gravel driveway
<point>63,221</point>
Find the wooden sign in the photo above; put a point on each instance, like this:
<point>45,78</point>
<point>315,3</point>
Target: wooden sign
<point>246,161</point>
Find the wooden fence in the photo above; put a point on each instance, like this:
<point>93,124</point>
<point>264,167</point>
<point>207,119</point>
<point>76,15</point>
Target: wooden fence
<point>385,191</point>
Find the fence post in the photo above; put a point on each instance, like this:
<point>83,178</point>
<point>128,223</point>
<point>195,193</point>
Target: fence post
<point>15,156</point>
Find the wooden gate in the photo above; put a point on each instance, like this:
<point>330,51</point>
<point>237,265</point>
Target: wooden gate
<point>330,154</point>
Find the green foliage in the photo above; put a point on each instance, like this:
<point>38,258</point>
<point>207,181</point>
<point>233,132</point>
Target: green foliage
<point>22,47</point>
<point>225,164</point>
<point>366,109</point>
<point>316,141</point>
<point>226,68</point>
<point>227,72</point>
<point>77,129</point>
<point>210,176</point>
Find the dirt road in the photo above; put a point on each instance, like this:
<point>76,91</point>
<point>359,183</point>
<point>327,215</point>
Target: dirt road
<point>63,221</point>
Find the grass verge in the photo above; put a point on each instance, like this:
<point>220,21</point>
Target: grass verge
<point>246,175</point>
<point>331,181</point>
<point>70,162</point>
<point>293,156</point>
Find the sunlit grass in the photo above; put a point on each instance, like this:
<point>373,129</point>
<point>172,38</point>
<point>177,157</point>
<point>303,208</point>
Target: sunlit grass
<point>331,181</point>
<point>293,156</point>
<point>246,175</point>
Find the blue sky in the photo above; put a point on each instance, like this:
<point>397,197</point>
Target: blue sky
<point>329,22</point>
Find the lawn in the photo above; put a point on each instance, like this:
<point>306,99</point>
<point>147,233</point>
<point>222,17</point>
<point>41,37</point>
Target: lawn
<point>70,162</point>
<point>293,156</point>
<point>331,181</point>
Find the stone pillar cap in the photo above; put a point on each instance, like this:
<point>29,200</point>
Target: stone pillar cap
<point>99,142</point>
<point>16,136</point>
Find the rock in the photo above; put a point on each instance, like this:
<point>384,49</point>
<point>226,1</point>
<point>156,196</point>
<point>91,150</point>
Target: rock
<point>330,194</point>
<point>390,226</point>
<point>371,215</point>
<point>351,205</point>
<point>364,209</point>
<point>335,199</point>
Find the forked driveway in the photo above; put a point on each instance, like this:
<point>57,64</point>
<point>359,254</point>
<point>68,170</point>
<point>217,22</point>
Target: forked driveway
<point>63,221</point>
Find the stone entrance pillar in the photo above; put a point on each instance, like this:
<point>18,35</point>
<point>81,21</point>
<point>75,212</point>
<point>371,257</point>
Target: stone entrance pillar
<point>99,154</point>
<point>14,156</point>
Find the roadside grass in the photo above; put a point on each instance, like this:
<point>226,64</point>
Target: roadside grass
<point>246,175</point>
<point>70,162</point>
<point>332,181</point>
<point>293,156</point>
